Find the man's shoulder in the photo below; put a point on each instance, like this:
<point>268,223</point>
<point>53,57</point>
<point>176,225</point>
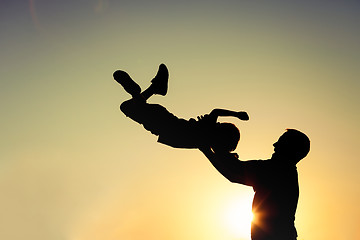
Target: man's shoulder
<point>259,162</point>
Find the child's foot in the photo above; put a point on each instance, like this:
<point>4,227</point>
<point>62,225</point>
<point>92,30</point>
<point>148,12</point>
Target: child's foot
<point>128,84</point>
<point>160,81</point>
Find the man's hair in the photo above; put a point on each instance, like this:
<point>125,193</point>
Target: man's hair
<point>227,136</point>
<point>299,143</point>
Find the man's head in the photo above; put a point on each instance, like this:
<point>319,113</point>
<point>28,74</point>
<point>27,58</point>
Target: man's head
<point>292,146</point>
<point>225,138</point>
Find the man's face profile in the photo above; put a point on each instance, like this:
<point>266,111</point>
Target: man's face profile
<point>292,146</point>
<point>282,147</point>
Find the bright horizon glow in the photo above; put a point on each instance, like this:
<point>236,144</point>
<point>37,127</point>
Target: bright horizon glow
<point>237,216</point>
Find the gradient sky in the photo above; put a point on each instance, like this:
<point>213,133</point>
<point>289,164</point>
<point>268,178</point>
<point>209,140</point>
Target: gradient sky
<point>72,167</point>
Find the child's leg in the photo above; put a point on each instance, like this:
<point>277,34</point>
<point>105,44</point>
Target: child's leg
<point>128,84</point>
<point>152,116</point>
<point>172,131</point>
<point>159,84</point>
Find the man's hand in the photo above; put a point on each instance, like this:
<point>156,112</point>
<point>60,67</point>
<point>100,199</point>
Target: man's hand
<point>207,120</point>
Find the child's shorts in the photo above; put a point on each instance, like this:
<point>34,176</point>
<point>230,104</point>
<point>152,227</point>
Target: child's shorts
<point>171,130</point>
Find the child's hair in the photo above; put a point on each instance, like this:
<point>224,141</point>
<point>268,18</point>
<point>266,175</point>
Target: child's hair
<point>226,138</point>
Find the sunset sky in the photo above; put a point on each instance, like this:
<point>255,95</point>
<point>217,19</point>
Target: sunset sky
<point>73,167</point>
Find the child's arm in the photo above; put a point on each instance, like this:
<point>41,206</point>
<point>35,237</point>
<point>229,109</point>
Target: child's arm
<point>228,113</point>
<point>210,119</point>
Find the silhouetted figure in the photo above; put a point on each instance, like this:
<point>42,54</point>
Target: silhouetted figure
<point>275,182</point>
<point>171,130</point>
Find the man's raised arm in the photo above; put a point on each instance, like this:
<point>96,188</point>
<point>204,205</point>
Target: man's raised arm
<point>228,165</point>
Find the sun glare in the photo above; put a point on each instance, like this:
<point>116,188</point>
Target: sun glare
<point>238,216</point>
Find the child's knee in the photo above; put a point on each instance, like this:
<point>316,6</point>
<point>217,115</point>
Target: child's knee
<point>127,107</point>
<point>133,110</point>
<point>124,106</point>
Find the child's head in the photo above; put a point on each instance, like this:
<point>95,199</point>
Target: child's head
<point>225,138</point>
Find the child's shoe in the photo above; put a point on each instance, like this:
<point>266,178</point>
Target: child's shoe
<point>160,81</point>
<point>128,84</point>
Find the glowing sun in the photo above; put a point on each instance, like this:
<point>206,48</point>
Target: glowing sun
<point>237,217</point>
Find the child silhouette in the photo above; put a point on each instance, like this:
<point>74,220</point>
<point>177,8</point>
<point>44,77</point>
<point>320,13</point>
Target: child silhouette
<point>174,131</point>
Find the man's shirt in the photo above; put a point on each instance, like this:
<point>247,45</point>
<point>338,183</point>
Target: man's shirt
<point>276,196</point>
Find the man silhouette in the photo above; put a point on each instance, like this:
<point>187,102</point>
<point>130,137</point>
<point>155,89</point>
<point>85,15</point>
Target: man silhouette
<point>275,182</point>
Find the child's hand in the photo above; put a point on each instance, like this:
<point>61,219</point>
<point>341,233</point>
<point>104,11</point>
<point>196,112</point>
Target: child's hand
<point>242,116</point>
